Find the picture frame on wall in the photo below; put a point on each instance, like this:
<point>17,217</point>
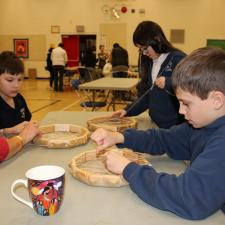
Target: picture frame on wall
<point>55,29</point>
<point>21,47</point>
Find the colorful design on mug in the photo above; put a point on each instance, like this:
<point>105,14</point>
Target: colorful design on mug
<point>47,195</point>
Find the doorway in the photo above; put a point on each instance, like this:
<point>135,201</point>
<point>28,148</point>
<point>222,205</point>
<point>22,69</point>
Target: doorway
<point>76,47</point>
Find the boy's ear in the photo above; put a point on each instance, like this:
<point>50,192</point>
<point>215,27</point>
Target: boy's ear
<point>218,99</point>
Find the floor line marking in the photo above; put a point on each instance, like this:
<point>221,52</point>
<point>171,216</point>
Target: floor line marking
<point>72,104</point>
<point>45,106</point>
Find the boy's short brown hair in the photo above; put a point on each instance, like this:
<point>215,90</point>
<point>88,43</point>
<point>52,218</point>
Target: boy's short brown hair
<point>10,63</point>
<point>201,72</point>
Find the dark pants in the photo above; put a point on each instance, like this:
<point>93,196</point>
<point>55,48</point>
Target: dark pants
<point>58,77</point>
<point>51,78</point>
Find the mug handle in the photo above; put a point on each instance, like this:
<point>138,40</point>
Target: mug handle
<point>14,184</point>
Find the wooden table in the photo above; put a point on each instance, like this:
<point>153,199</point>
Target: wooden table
<point>111,84</point>
<point>83,204</point>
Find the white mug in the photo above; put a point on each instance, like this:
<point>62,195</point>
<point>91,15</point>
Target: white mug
<point>45,186</point>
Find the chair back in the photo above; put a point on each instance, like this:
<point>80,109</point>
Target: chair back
<point>85,74</point>
<point>120,71</point>
<point>88,74</point>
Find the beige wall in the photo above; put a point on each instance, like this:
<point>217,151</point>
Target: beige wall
<point>110,30</point>
<point>201,20</point>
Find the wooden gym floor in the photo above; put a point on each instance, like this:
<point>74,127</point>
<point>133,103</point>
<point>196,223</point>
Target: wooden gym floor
<point>41,100</point>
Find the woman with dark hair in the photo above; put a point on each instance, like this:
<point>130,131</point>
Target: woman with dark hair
<point>157,60</point>
<point>49,66</point>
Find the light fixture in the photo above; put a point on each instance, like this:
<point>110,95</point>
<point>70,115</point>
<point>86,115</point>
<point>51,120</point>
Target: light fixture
<point>115,13</point>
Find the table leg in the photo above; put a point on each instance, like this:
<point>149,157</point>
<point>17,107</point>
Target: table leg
<point>112,102</point>
<point>93,100</point>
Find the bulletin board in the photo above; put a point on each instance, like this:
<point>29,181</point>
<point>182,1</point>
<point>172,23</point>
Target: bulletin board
<point>216,43</point>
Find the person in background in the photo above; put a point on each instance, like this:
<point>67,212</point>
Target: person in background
<point>59,61</point>
<point>13,107</point>
<point>102,57</point>
<point>158,58</point>
<point>90,59</point>
<point>107,69</point>
<point>198,192</point>
<point>119,57</point>
<point>26,131</point>
<point>49,66</point>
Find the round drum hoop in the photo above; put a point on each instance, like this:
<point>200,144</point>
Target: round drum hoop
<point>111,123</point>
<point>81,138</point>
<point>91,177</point>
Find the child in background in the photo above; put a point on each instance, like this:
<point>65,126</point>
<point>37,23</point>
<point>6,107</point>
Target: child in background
<point>199,84</point>
<point>13,107</point>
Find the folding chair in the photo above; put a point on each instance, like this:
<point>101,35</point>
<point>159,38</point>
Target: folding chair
<point>120,71</point>
<point>88,74</point>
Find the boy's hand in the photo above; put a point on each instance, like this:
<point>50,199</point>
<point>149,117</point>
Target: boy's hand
<point>29,132</point>
<point>115,162</point>
<point>105,138</point>
<point>19,127</point>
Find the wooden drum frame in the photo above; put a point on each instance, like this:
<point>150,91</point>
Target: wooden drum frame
<point>105,179</point>
<point>82,138</point>
<point>111,123</point>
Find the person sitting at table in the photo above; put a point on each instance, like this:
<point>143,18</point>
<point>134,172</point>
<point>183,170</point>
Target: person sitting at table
<point>107,69</point>
<point>102,57</point>
<point>158,58</point>
<point>102,60</point>
<point>10,146</point>
<point>199,84</point>
<point>13,107</point>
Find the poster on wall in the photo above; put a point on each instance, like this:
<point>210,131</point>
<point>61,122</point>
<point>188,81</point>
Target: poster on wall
<point>21,47</point>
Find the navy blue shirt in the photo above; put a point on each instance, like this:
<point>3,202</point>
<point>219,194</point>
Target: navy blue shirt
<point>200,190</point>
<point>9,116</point>
<point>162,104</point>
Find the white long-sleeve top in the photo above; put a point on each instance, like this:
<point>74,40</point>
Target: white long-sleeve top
<point>59,57</point>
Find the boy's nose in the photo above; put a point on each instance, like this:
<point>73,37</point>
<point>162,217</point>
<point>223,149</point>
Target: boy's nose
<point>17,84</point>
<point>182,110</point>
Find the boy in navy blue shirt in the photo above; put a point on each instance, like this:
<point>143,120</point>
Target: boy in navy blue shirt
<point>13,107</point>
<point>199,84</point>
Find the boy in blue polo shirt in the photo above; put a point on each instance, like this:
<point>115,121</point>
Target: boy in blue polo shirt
<point>13,107</point>
<point>199,83</point>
